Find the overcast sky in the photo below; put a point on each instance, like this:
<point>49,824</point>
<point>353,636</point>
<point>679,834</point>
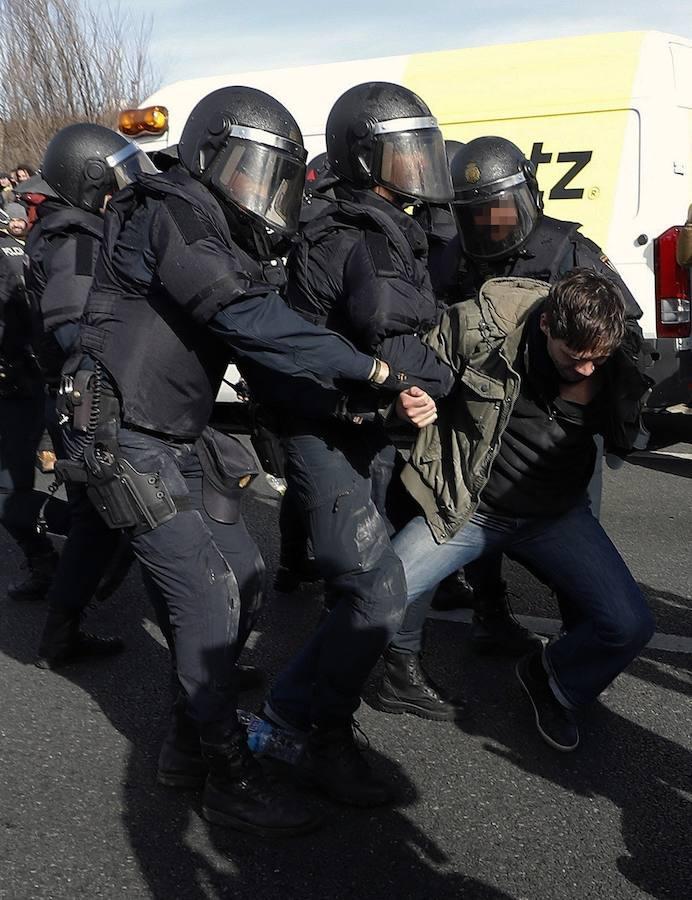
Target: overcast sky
<point>207,38</point>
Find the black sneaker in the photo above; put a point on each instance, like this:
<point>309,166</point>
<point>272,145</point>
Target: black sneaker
<point>335,764</point>
<point>407,688</point>
<point>555,723</point>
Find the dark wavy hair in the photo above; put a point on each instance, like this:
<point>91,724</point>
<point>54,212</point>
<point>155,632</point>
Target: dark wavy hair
<point>586,311</point>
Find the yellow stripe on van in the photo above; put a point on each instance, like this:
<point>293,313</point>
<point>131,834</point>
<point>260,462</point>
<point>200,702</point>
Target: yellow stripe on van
<point>566,103</point>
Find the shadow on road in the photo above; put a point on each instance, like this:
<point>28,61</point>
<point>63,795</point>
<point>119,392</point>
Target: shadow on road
<point>648,777</point>
<point>359,854</point>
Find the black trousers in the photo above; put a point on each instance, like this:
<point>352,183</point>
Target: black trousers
<point>341,478</point>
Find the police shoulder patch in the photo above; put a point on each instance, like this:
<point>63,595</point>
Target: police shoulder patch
<point>380,254</point>
<point>185,217</point>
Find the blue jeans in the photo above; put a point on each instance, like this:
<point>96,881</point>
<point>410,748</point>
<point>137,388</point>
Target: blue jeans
<point>610,621</point>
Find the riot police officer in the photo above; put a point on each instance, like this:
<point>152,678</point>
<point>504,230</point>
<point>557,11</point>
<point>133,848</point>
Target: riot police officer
<point>187,279</point>
<point>360,267</point>
<point>501,231</point>
<point>84,164</point>
<point>21,416</point>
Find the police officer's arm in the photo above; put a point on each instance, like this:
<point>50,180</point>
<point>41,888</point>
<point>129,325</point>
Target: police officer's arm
<point>206,280</point>
<point>61,288</point>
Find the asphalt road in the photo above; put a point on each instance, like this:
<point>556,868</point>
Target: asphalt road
<point>486,809</point>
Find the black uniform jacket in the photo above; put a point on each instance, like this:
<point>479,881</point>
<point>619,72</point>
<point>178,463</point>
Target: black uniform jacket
<point>172,290</point>
<point>61,252</point>
<point>15,321</point>
<point>551,250</point>
<point>361,268</point>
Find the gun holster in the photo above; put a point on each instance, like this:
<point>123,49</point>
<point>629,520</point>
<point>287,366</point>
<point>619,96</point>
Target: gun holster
<point>124,497</point>
<point>227,468</point>
<point>265,441</point>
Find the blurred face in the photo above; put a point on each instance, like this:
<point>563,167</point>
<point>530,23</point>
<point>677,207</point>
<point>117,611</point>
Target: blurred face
<point>17,228</point>
<point>572,365</point>
<point>498,219</point>
<point>22,175</point>
<point>5,182</point>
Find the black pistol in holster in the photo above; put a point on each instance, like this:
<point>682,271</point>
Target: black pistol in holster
<point>124,497</point>
<point>265,440</point>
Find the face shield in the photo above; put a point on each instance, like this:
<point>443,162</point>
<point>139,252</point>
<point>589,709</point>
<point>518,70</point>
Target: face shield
<point>496,219</point>
<point>410,159</point>
<point>129,162</point>
<point>263,174</point>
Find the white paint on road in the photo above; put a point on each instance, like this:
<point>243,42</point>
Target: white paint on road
<point>653,454</point>
<point>673,643</point>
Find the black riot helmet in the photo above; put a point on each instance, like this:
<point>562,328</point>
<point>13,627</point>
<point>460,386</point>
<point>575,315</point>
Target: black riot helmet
<point>451,149</point>
<point>84,163</point>
<point>496,201</point>
<point>382,133</point>
<point>247,149</point>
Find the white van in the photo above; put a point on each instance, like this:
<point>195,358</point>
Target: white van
<point>607,119</point>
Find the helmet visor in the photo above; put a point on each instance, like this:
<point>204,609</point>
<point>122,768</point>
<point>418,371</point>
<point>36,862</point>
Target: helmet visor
<point>128,163</point>
<point>265,181</point>
<point>493,225</point>
<point>414,163</point>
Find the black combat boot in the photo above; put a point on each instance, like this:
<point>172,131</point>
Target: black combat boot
<point>180,761</point>
<point>64,642</point>
<point>238,794</point>
<point>42,568</point>
<point>335,764</point>
<point>453,592</point>
<point>495,629</point>
<point>407,688</point>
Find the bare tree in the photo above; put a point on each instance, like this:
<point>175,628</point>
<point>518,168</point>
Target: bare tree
<point>63,61</point>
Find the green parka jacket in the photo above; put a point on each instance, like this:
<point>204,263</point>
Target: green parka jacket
<point>481,340</point>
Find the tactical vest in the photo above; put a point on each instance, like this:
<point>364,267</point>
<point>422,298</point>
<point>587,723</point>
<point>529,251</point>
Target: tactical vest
<point>382,235</point>
<point>167,368</point>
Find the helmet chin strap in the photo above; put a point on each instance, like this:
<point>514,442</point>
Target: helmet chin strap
<point>253,237</point>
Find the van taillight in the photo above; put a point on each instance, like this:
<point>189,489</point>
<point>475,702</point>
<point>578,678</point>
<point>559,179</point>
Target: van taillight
<point>673,293</point>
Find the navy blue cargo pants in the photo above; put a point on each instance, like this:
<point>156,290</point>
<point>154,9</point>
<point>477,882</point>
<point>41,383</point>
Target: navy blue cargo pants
<point>341,477</point>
